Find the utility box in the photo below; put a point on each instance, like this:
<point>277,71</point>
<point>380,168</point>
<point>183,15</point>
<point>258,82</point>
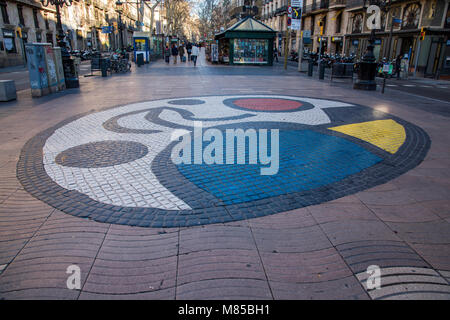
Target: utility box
<point>37,68</point>
<point>51,69</point>
<point>59,68</point>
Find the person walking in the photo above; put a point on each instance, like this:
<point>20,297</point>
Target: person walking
<point>194,54</point>
<point>174,53</point>
<point>189,50</point>
<point>275,53</point>
<point>167,54</point>
<point>181,53</point>
<point>398,65</point>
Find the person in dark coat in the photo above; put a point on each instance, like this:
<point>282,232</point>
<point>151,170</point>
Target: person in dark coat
<point>181,53</point>
<point>174,53</point>
<point>189,50</point>
<point>167,53</point>
<point>398,65</point>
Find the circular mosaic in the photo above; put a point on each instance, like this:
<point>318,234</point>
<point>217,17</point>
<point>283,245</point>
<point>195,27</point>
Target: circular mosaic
<point>163,164</point>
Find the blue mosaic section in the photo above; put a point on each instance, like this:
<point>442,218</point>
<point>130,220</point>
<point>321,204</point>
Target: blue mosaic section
<point>308,160</point>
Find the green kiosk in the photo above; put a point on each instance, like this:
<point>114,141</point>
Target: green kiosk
<point>246,42</point>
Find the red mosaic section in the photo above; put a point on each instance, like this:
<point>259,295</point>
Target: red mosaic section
<point>268,104</point>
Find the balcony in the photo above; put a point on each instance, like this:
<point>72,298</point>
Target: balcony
<point>355,4</point>
<point>336,4</point>
<point>280,11</point>
<point>317,6</point>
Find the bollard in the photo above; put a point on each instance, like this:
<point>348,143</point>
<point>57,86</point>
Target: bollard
<point>321,71</point>
<point>104,67</point>
<point>310,68</point>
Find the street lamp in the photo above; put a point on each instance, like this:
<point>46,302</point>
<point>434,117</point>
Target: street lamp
<point>70,73</point>
<point>119,25</point>
<point>368,66</point>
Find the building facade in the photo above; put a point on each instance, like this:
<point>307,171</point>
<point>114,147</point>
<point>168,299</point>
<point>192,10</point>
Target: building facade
<point>25,21</point>
<point>344,29</point>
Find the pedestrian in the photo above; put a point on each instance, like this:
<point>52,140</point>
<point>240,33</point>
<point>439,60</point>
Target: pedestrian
<point>174,53</point>
<point>167,54</point>
<point>398,65</point>
<point>189,50</point>
<point>181,53</point>
<point>275,53</point>
<point>194,54</point>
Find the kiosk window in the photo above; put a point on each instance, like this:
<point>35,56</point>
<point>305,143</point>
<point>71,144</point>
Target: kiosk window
<point>251,51</point>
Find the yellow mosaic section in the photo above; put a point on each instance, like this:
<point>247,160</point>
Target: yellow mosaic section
<point>385,134</point>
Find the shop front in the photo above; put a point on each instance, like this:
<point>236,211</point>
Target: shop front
<point>246,42</point>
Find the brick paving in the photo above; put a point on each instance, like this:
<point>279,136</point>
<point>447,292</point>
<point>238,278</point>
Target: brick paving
<point>298,244</point>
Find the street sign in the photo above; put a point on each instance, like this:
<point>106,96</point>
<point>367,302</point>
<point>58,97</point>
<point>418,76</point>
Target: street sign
<point>306,33</point>
<point>296,24</point>
<point>289,10</point>
<point>297,3</point>
<point>107,29</point>
<point>296,13</point>
<point>289,21</point>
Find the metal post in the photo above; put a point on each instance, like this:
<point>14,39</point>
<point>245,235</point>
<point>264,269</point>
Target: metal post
<point>120,31</point>
<point>417,57</point>
<point>388,50</point>
<point>300,51</point>
<point>286,44</point>
<point>320,53</point>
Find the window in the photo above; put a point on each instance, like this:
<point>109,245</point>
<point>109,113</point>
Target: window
<point>47,26</point>
<point>313,23</point>
<point>20,12</point>
<point>4,12</point>
<point>35,18</point>
<point>9,41</point>
<point>38,37</point>
<point>357,23</point>
<point>339,23</point>
<point>411,16</point>
<point>49,38</point>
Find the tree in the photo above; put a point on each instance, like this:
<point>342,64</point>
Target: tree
<point>177,14</point>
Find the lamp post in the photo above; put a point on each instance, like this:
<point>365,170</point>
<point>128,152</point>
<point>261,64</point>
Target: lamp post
<point>119,24</point>
<point>368,66</point>
<point>70,72</point>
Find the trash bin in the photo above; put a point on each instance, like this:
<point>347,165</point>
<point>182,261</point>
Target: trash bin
<point>310,68</point>
<point>104,66</point>
<point>140,59</point>
<point>321,71</point>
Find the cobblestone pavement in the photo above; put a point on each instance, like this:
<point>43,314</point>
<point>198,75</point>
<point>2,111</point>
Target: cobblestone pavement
<point>87,180</point>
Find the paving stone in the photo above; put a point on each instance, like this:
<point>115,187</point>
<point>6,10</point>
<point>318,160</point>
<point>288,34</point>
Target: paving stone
<point>344,289</point>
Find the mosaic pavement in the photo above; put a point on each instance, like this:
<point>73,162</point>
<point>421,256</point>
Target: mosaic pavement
<point>114,166</point>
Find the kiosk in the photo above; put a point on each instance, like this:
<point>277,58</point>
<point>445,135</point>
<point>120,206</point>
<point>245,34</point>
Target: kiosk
<point>141,44</point>
<point>246,42</point>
